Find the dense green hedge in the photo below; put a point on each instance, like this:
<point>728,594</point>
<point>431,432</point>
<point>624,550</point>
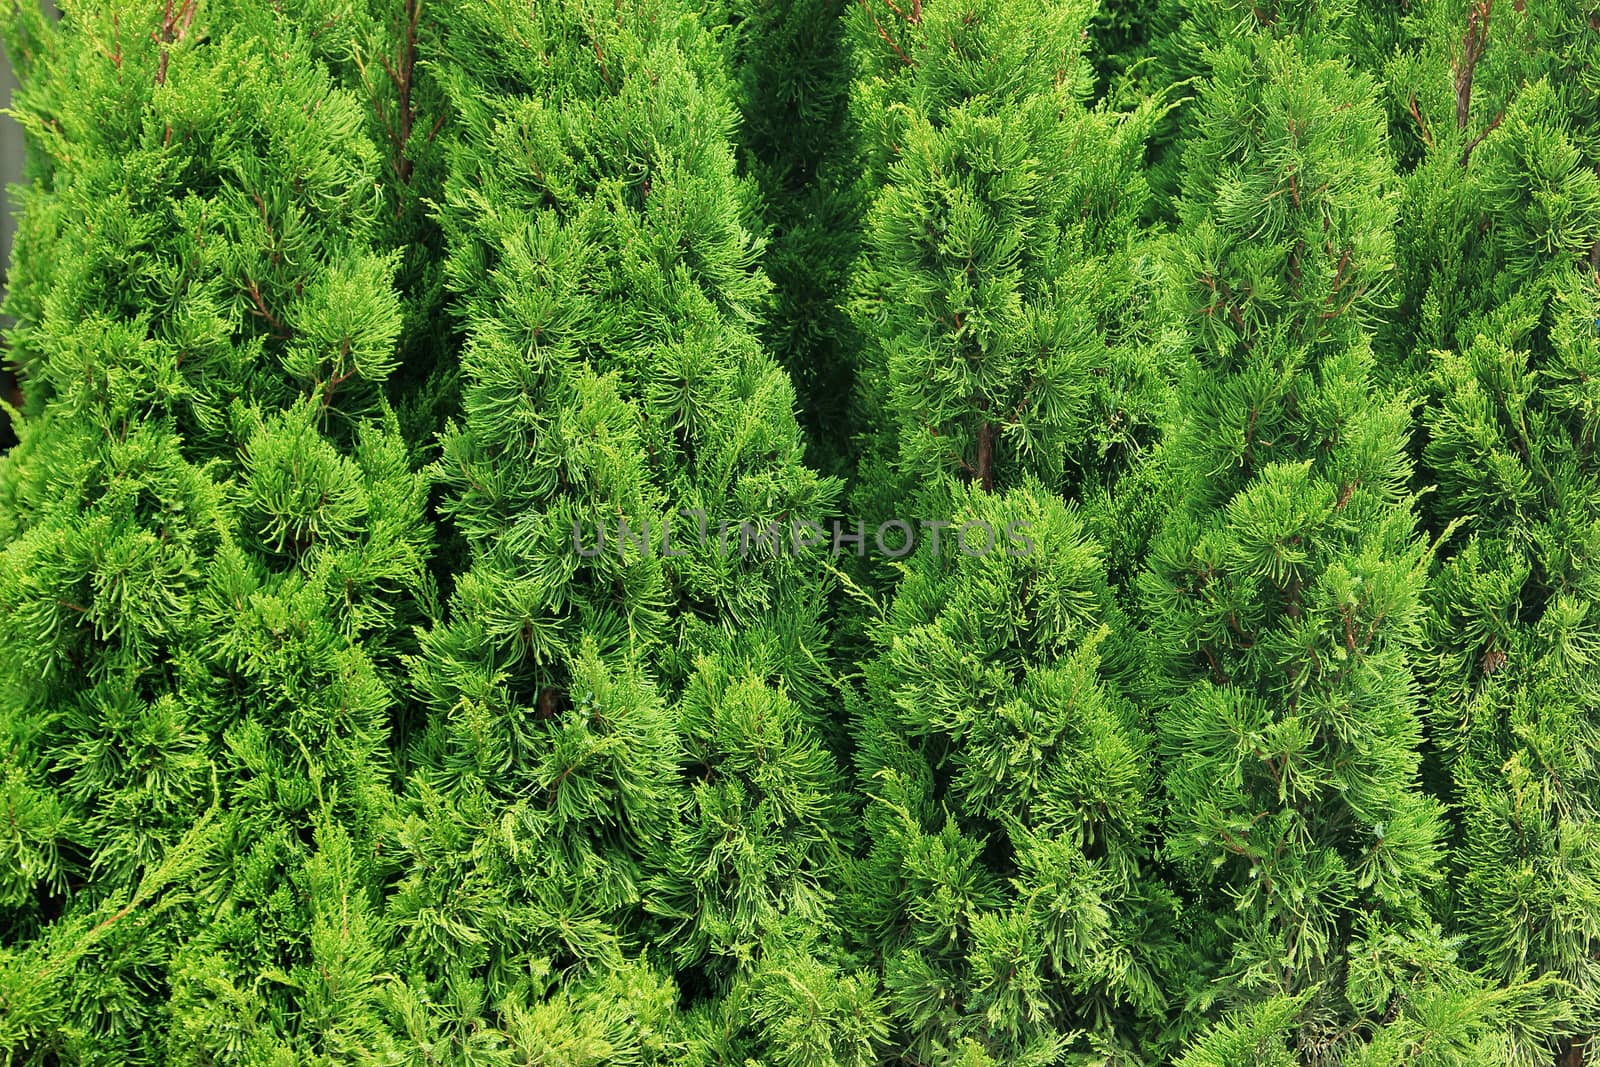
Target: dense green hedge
<point>940,532</point>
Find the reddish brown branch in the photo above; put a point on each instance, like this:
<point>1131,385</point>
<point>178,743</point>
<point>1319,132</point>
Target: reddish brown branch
<point>599,56</point>
<point>174,28</point>
<point>1416,115</point>
<point>1473,43</point>
<point>116,39</point>
<point>986,456</point>
<point>916,11</point>
<point>1216,668</point>
<point>400,69</point>
<point>438,124</point>
<point>262,312</point>
<point>1466,153</point>
<point>338,378</point>
<point>403,75</point>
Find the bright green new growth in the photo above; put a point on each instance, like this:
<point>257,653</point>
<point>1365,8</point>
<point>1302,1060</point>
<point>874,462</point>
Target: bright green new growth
<point>1511,436</point>
<point>1284,596</point>
<point>1499,232</point>
<point>1286,231</point>
<point>999,283</point>
<point>1512,442</point>
<point>1234,365</point>
<point>1007,891</point>
<point>608,289</point>
<point>1007,888</point>
<point>626,734</point>
<point>213,546</point>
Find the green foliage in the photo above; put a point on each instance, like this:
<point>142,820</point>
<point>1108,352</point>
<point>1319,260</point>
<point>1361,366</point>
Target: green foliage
<point>627,736</point>
<point>1512,444</point>
<point>214,544</point>
<point>1286,228</point>
<point>793,80</point>
<point>1284,597</point>
<point>1489,240</point>
<point>1502,311</point>
<point>409,649</point>
<point>1008,887</point>
<point>610,369</point>
<point>1001,280</point>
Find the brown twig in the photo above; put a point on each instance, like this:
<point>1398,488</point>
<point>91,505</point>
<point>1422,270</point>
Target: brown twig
<point>174,28</point>
<point>262,312</point>
<point>1473,43</point>
<point>401,72</point>
<point>599,56</point>
<point>402,75</point>
<point>986,456</point>
<point>916,11</point>
<point>1427,134</point>
<point>116,39</point>
<point>1466,153</point>
<point>1217,676</point>
<point>338,378</point>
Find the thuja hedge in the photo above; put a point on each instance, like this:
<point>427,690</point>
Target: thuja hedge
<point>441,617</point>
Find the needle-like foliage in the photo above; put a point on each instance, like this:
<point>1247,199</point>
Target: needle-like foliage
<point>214,546</point>
<point>798,533</point>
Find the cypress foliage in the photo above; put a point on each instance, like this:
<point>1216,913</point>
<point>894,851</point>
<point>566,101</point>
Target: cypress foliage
<point>1499,228</point>
<point>1284,597</point>
<point>624,773</point>
<point>379,51</point>
<point>213,546</point>
<point>1007,891</point>
<point>1504,192</point>
<point>1512,446</point>
<point>655,406</point>
<point>1510,424</point>
<point>1191,36</point>
<point>418,644</point>
<point>1001,282</point>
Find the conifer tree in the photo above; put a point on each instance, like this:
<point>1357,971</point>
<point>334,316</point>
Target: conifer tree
<point>1510,425</point>
<point>1513,680</point>
<point>1498,232</point>
<point>1488,214</point>
<point>1008,890</point>
<point>417,644</point>
<point>1283,599</point>
<point>1001,282</point>
<point>1467,62</point>
<point>1191,36</point>
<point>1007,893</point>
<point>213,545</point>
<point>625,770</point>
<point>378,51</point>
